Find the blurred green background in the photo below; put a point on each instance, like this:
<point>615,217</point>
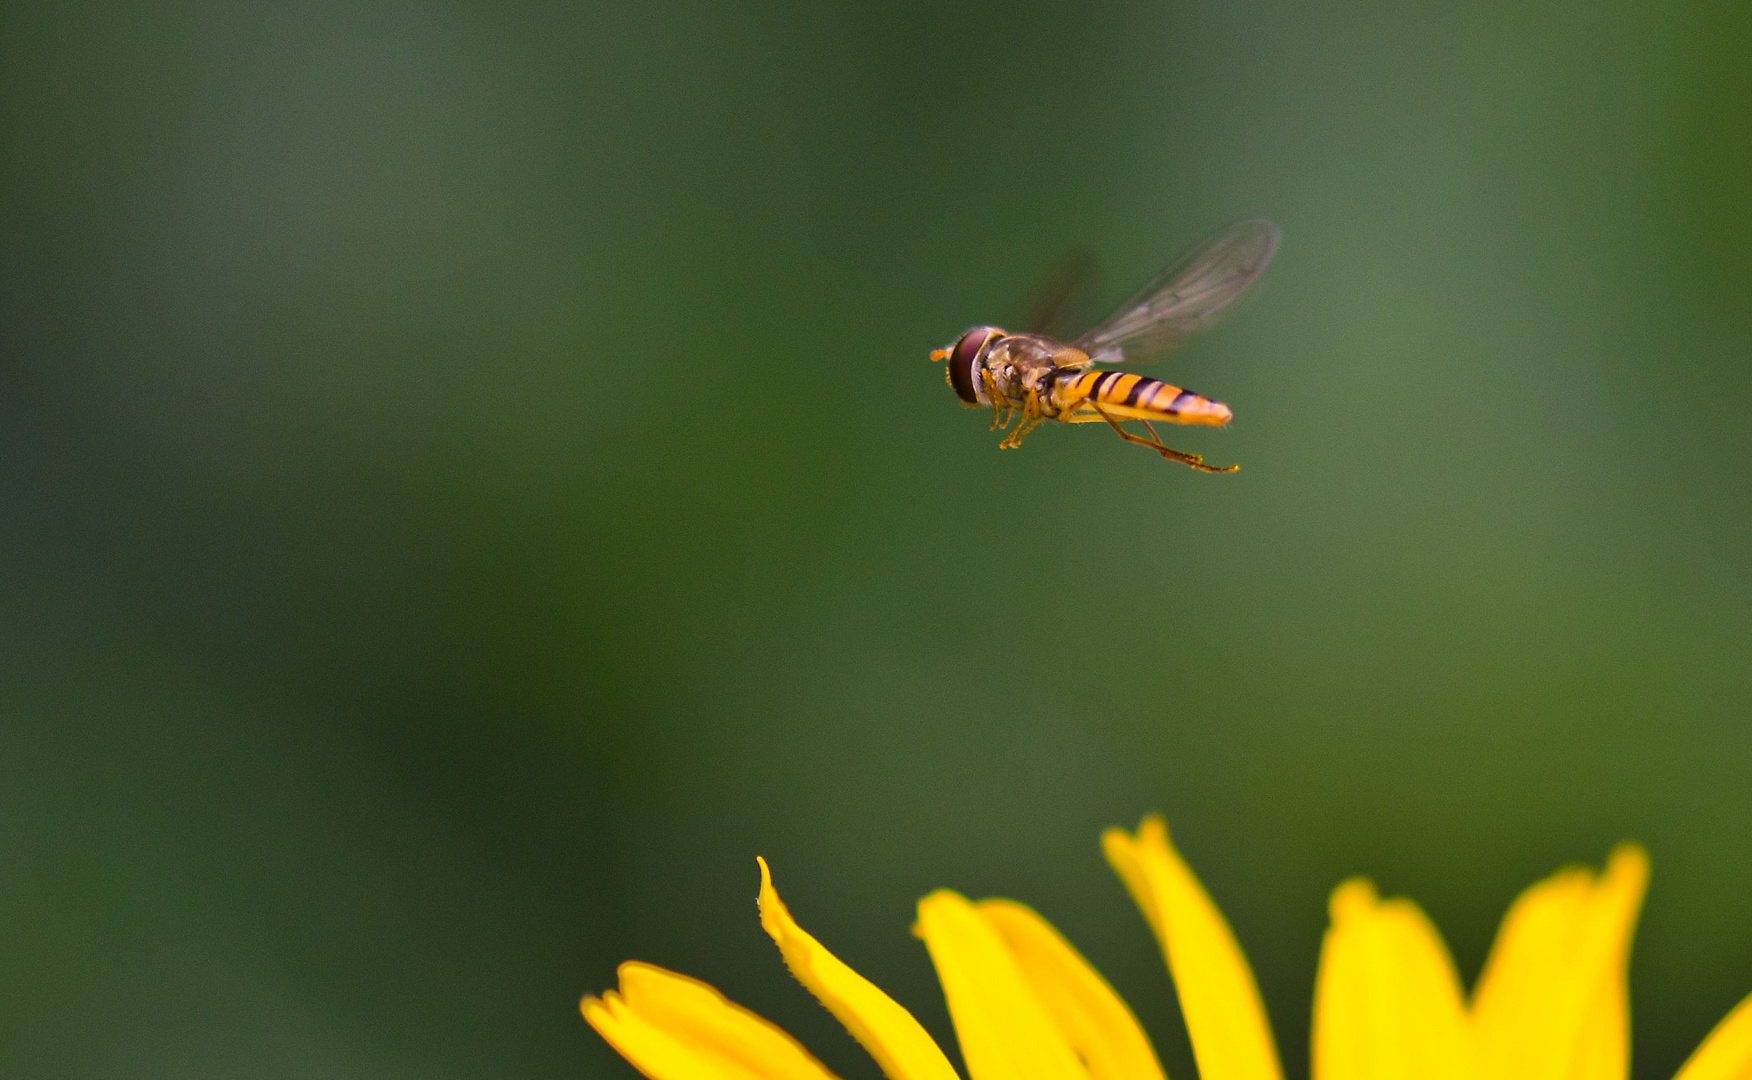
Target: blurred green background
<point>470,480</point>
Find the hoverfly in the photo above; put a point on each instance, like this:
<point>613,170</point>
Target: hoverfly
<point>1039,378</point>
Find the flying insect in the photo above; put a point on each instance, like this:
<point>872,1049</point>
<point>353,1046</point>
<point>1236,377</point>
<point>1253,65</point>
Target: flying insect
<point>1032,378</point>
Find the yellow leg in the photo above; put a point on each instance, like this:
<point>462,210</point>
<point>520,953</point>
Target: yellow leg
<point>1015,438</point>
<point>1154,442</point>
<point>1032,417</point>
<point>991,389</point>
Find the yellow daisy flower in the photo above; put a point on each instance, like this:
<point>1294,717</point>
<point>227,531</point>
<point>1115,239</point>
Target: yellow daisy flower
<point>1551,1004</point>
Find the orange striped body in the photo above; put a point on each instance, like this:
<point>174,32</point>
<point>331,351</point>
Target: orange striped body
<point>1039,379</point>
<point>1124,395</point>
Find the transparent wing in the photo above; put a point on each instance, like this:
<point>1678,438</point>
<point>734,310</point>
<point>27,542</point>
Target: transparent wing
<point>1062,301</point>
<point>1186,297</point>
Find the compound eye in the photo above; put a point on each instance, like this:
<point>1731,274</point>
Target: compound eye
<point>964,359</point>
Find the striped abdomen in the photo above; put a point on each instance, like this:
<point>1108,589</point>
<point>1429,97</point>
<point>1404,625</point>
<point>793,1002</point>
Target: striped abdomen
<point>1127,396</point>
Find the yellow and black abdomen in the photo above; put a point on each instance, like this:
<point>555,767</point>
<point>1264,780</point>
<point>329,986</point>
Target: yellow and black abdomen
<point>1125,395</point>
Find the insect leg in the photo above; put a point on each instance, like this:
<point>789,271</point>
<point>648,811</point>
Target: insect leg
<point>1015,438</point>
<point>991,389</point>
<point>1032,417</point>
<point>1155,443</point>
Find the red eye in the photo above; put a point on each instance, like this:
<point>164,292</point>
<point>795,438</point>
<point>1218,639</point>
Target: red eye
<point>964,359</point>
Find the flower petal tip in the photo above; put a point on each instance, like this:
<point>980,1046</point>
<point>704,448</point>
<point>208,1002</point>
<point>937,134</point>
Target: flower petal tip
<point>775,918</point>
<point>599,1012</point>
<point>1628,865</point>
<point>939,897</point>
<point>931,907</point>
<point>1153,828</point>
<point>1354,897</point>
<point>1114,842</point>
<point>1118,843</point>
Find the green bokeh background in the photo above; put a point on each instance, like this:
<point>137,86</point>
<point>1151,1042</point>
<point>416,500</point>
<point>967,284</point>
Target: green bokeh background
<point>470,480</point>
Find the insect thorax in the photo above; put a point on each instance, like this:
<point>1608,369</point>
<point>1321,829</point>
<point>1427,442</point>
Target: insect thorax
<point>1024,366</point>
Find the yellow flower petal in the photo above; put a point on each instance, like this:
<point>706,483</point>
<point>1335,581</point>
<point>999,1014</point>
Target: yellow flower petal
<point>1005,1031</point>
<point>1727,1053</point>
<point>1231,1038</point>
<point>1553,1001</point>
<point>653,1051</point>
<point>1387,1000</point>
<point>1099,1026</point>
<point>672,1027</point>
<point>901,1047</point>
